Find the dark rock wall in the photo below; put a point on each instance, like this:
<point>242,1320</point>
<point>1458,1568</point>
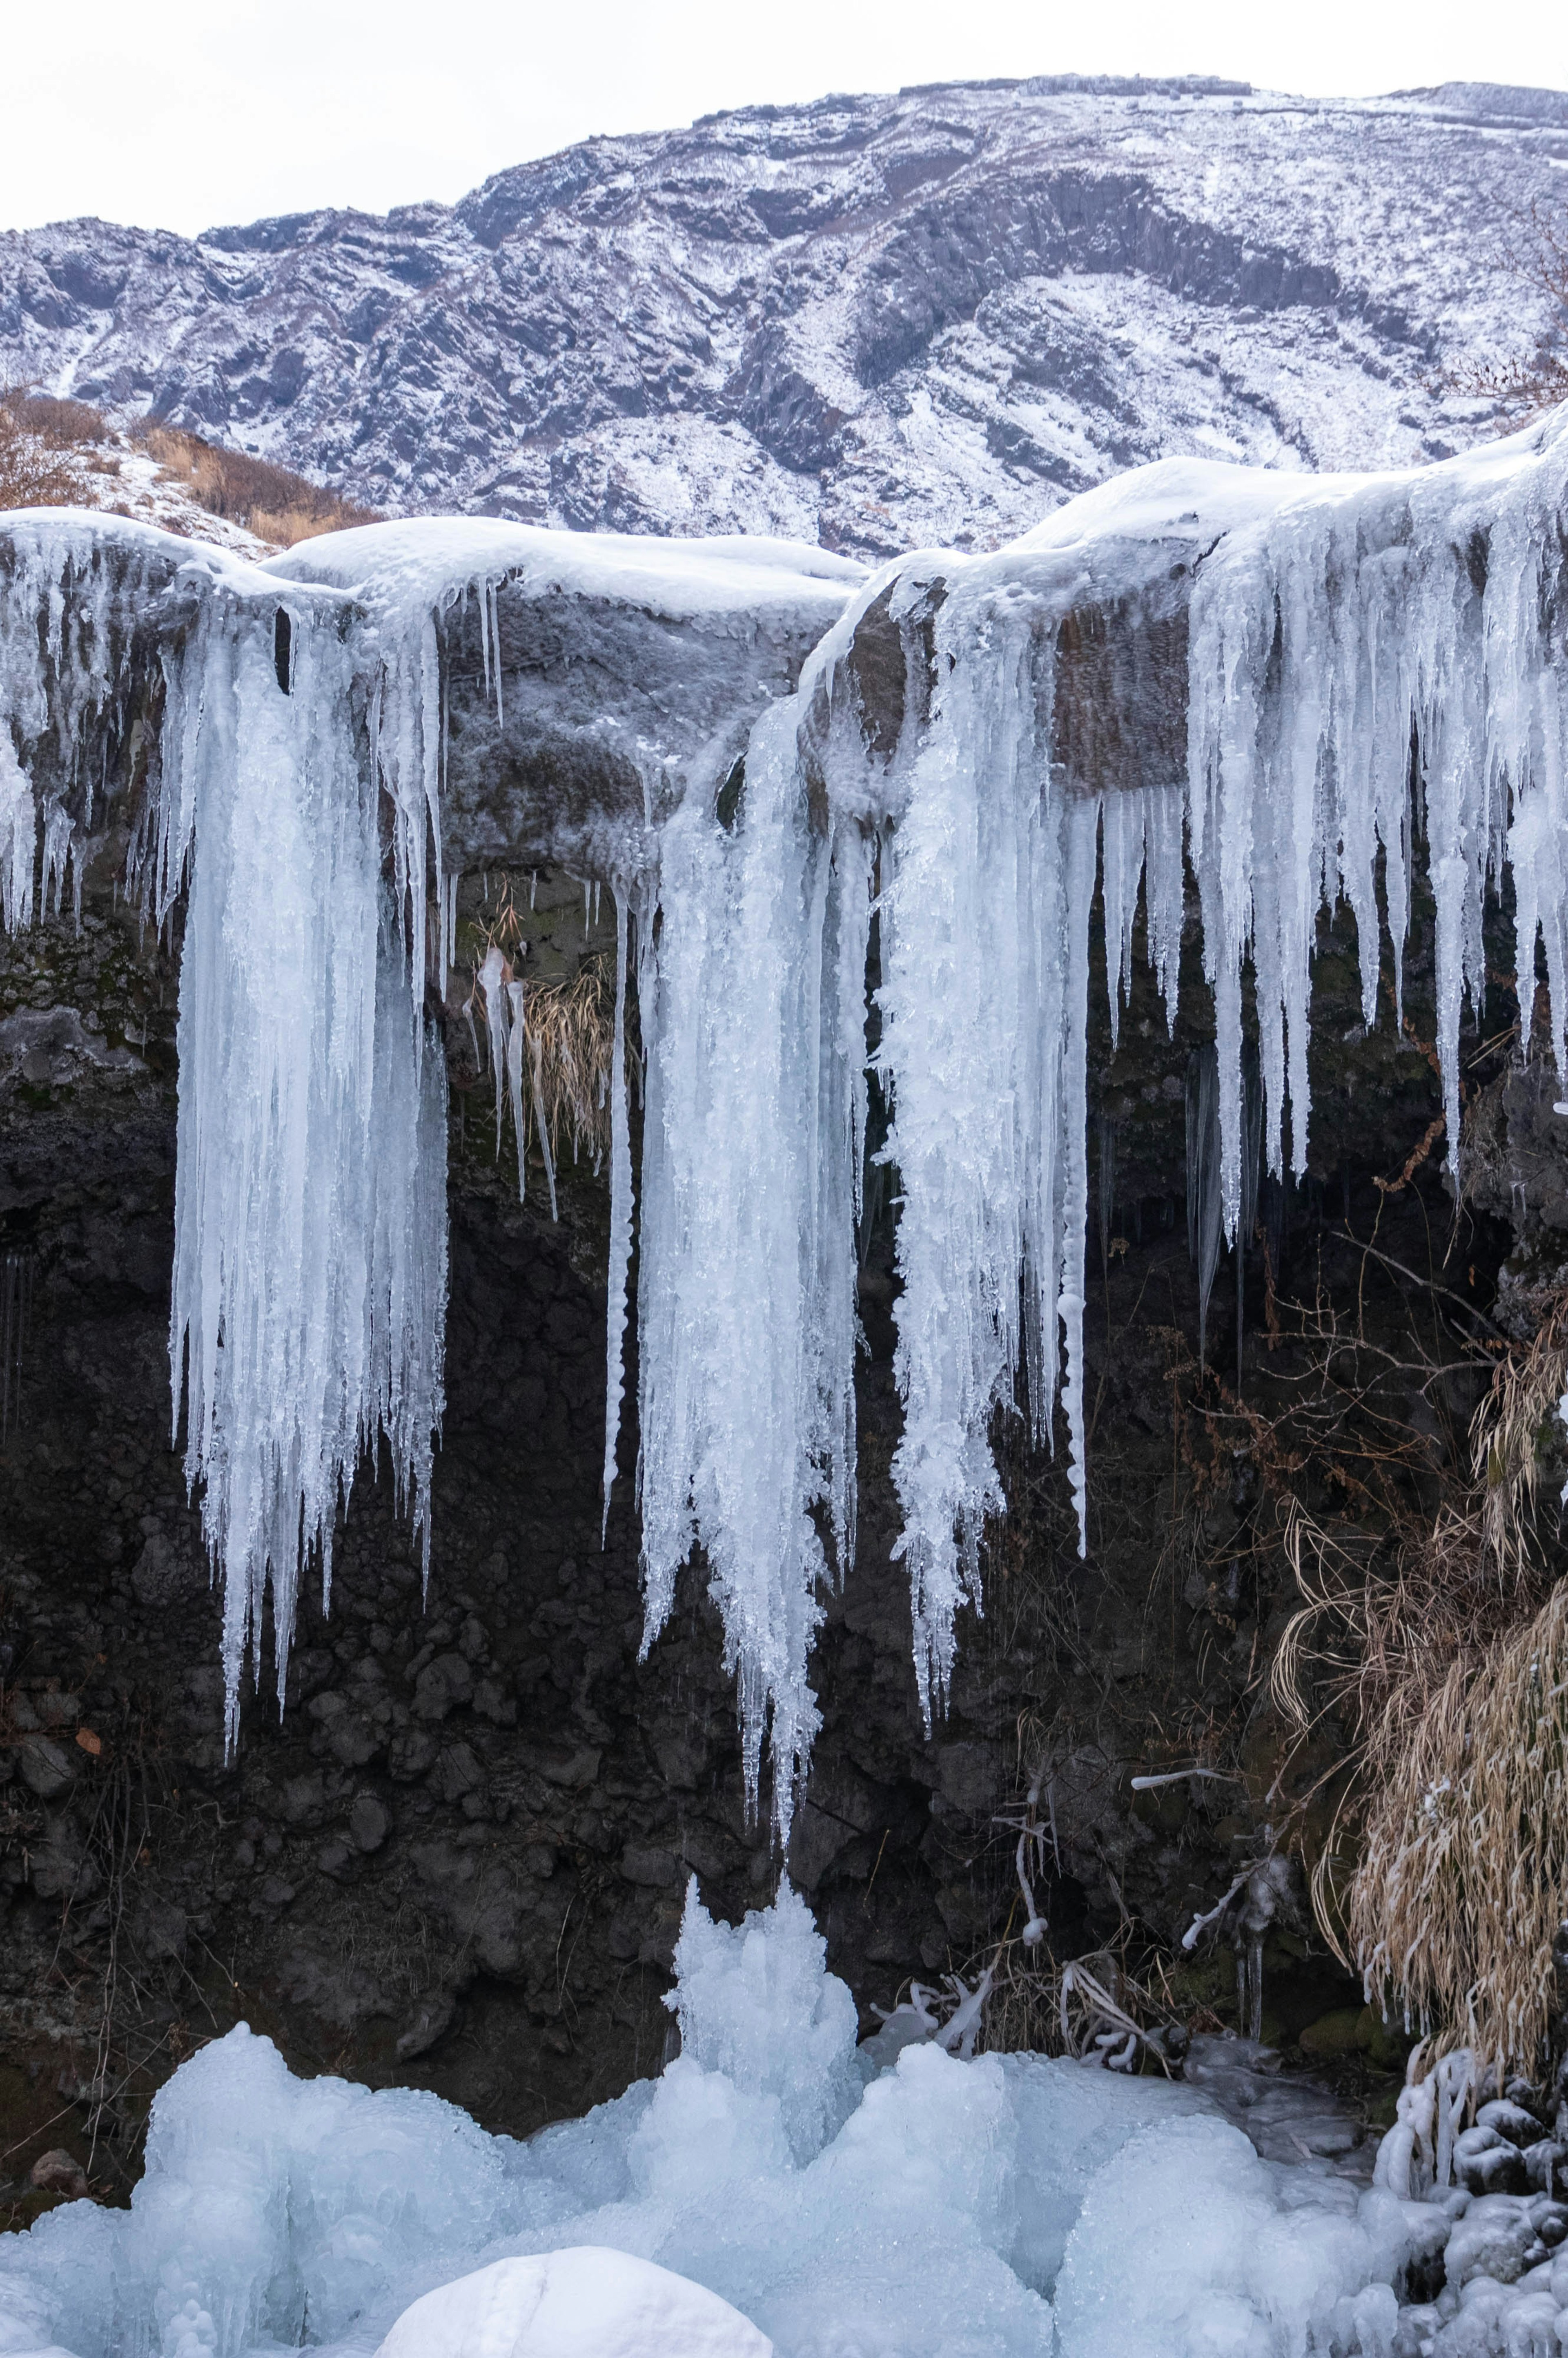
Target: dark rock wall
<point>459,1858</point>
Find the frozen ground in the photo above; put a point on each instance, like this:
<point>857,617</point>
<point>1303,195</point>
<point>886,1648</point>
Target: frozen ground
<point>847,2202</point>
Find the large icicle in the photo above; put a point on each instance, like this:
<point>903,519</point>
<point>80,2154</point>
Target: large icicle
<point>747,1275</point>
<point>309,1271</point>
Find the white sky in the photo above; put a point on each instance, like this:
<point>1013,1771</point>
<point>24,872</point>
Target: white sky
<point>200,112</point>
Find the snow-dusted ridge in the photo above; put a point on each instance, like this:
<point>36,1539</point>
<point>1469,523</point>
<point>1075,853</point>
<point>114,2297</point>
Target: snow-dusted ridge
<point>879,322</point>
<point>1203,667</point>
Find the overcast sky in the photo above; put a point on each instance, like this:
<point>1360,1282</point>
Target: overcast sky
<point>187,115</point>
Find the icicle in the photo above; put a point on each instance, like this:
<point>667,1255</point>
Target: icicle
<point>19,838</point>
<point>971,1059</point>
<point>619,1212</point>
<point>310,1256</point>
<point>747,1273</point>
<point>494,977</point>
<point>449,927</point>
<point>1081,829</point>
<point>537,1068</point>
<point>58,853</point>
<point>515,1041</point>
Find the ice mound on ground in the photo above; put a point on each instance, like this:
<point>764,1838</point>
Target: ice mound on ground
<point>583,2303</point>
<point>942,2210</point>
<point>759,2004</point>
<point>1188,2245</point>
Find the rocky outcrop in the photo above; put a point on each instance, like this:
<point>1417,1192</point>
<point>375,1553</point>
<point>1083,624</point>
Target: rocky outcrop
<point>458,1856</point>
<point>881,322</point>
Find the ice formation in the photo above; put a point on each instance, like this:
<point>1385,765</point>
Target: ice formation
<point>585,2302</point>
<point>751,987</point>
<point>1281,683</point>
<point>1365,660</point>
<point>881,2200</point>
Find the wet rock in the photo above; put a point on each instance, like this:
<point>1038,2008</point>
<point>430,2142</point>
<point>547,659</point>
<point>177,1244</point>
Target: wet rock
<point>442,1686</point>
<point>370,1821</point>
<point>409,1753</point>
<point>47,1769</point>
<point>432,2019</point>
<point>1546,2166</point>
<point>1342,2032</point>
<point>59,2172</point>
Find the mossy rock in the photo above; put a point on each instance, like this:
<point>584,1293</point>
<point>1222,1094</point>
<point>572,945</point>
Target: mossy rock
<point>1386,2043</point>
<point>1346,2031</point>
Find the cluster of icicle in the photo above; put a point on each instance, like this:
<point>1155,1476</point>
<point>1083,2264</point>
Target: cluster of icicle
<point>61,646</point>
<point>310,1289</point>
<point>1370,659</point>
<point>1334,627</point>
<point>311,1249</point>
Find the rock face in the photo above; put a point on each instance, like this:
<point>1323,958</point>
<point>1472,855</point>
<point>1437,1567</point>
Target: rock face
<point>459,1857</point>
<point>880,322</point>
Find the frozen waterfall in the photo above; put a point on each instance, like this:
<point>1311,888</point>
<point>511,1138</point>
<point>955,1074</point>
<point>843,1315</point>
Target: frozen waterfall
<point>1291,687</point>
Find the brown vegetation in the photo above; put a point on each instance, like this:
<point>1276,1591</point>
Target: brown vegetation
<point>269,500</point>
<point>40,439</point>
<point>55,453</point>
<point>1445,1651</point>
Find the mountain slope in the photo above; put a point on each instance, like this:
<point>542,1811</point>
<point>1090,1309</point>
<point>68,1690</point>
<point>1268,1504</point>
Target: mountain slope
<point>876,320</point>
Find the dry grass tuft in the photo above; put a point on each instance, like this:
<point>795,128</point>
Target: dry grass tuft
<point>1447,1653</point>
<point>269,500</point>
<point>1463,1873</point>
<point>1083,2006</point>
<point>570,1028</point>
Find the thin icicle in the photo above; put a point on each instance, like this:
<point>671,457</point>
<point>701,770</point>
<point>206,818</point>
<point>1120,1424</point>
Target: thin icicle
<point>493,978</point>
<point>536,1069</point>
<point>619,1212</point>
<point>515,1043</point>
<point>19,839</point>
<point>747,1266</point>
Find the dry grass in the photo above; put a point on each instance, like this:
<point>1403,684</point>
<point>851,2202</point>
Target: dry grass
<point>51,450</point>
<point>39,440</point>
<point>269,500</point>
<point>569,1029</point>
<point>1463,1872</point>
<point>1090,2005</point>
<point>1447,1652</point>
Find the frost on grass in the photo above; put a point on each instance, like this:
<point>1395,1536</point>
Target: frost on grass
<point>1291,687</point>
<point>930,2208</point>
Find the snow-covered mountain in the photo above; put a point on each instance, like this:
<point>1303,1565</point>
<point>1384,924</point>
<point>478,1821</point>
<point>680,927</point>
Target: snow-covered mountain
<point>877,321</point>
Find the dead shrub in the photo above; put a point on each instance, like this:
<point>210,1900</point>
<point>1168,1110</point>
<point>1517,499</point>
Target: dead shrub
<point>1526,385</point>
<point>35,468</point>
<point>276,505</point>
